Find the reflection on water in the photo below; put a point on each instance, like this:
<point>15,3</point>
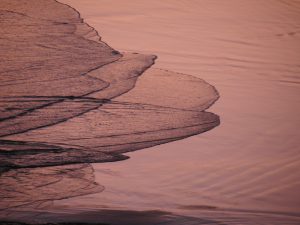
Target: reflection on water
<point>29,195</point>
<point>37,187</point>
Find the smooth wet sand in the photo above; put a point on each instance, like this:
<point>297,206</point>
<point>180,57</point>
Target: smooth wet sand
<point>250,51</point>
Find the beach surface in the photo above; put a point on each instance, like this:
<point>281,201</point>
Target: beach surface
<point>245,171</point>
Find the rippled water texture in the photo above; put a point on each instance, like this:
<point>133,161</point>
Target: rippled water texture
<point>68,99</point>
<point>245,171</point>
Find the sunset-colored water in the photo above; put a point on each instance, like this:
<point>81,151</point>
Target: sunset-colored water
<point>246,170</point>
<point>250,51</point>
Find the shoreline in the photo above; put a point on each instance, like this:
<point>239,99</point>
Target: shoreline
<point>89,106</point>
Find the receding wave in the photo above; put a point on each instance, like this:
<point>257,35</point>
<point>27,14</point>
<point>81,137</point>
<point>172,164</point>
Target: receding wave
<point>66,97</point>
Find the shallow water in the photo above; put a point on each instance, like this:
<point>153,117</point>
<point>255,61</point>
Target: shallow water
<point>246,171</point>
<point>250,51</point>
